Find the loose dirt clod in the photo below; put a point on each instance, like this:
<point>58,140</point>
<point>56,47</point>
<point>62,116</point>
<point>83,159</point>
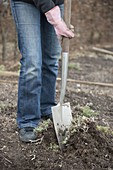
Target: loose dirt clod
<point>92,148</point>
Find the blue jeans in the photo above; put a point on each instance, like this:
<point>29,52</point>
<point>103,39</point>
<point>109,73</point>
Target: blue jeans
<point>40,50</point>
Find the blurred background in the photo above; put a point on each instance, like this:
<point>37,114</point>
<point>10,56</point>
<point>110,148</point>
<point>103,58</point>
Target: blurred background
<point>93,21</point>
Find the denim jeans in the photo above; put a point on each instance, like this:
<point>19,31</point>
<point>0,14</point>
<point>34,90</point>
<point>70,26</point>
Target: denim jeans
<point>40,50</point>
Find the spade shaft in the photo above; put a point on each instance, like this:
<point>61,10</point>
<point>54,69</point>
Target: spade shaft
<point>65,50</point>
<point>61,113</point>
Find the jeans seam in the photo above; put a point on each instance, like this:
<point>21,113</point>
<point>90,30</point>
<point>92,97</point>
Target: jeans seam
<point>15,15</point>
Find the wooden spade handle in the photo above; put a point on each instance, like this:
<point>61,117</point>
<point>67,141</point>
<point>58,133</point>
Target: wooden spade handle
<point>67,19</point>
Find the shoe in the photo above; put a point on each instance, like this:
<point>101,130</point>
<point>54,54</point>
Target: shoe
<point>46,117</point>
<point>27,134</point>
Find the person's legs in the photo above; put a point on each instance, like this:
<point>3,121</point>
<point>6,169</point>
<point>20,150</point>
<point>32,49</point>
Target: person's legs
<point>27,19</point>
<point>51,51</point>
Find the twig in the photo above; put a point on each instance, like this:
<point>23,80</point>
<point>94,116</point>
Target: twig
<point>9,74</point>
<point>88,82</point>
<point>7,160</point>
<point>102,50</point>
<point>8,82</point>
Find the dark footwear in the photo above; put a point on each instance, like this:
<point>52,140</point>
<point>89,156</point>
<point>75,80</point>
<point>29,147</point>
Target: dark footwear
<point>48,117</point>
<point>27,134</point>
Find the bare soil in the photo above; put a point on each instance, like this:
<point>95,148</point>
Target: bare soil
<point>88,148</point>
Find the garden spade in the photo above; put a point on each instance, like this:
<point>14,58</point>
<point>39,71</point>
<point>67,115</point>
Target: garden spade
<point>61,113</point>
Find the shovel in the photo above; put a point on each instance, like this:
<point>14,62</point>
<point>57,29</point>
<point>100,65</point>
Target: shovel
<point>61,113</point>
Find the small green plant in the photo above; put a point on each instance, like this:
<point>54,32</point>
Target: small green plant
<point>75,66</point>
<point>43,126</point>
<point>2,105</point>
<point>7,106</point>
<point>2,68</point>
<point>88,112</point>
<point>54,147</point>
<point>105,129</point>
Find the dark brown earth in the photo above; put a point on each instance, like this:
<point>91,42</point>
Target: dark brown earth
<point>90,146</point>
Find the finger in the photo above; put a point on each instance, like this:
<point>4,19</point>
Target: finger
<point>72,28</point>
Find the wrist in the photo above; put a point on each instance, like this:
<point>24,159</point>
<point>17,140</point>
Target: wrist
<point>54,15</point>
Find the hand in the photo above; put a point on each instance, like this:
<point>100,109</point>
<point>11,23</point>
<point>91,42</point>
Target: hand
<point>54,17</point>
<point>72,28</point>
<point>60,37</point>
<point>63,31</point>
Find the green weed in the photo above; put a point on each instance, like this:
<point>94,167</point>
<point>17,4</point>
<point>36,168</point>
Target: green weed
<point>43,126</point>
<point>54,147</point>
<point>2,68</point>
<point>75,66</point>
<point>105,129</point>
<point>88,112</point>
